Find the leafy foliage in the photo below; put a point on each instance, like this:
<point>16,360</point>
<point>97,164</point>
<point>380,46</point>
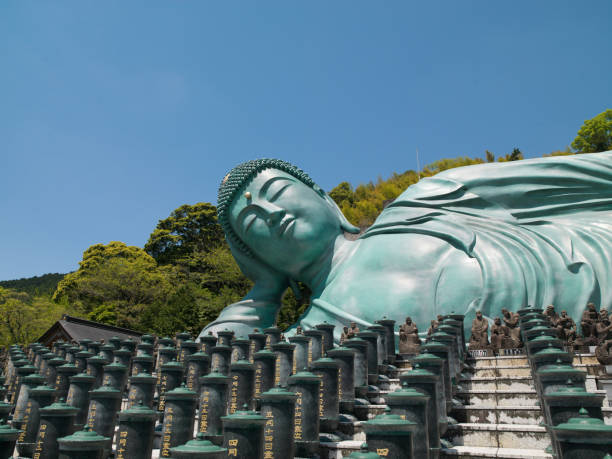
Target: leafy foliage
<point>37,285</point>
<point>114,284</point>
<point>24,318</point>
<point>595,135</point>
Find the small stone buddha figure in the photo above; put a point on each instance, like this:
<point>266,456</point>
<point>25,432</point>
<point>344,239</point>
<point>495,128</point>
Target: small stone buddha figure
<point>567,328</point>
<point>551,314</point>
<point>345,335</point>
<point>497,334</point>
<point>353,330</point>
<point>480,327</point>
<point>298,330</point>
<point>511,320</point>
<point>588,325</point>
<point>603,326</point>
<point>432,327</point>
<point>409,337</point>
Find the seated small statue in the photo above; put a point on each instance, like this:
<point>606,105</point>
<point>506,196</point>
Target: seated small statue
<point>299,331</point>
<point>567,328</point>
<point>409,338</point>
<point>511,320</point>
<point>480,327</point>
<point>497,334</point>
<point>603,352</point>
<point>551,314</point>
<point>345,335</point>
<point>432,328</point>
<point>352,332</point>
<point>588,325</point>
<point>603,326</point>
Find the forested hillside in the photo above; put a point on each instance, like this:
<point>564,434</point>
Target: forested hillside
<point>37,285</point>
<point>185,274</point>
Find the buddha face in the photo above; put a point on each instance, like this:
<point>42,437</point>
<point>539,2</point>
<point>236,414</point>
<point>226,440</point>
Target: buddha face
<point>284,222</point>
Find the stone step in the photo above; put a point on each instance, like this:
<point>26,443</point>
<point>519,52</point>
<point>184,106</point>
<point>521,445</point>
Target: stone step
<point>500,361</point>
<point>482,383</point>
<point>502,372</point>
<point>482,452</point>
<point>502,397</point>
<point>518,436</point>
<point>524,415</point>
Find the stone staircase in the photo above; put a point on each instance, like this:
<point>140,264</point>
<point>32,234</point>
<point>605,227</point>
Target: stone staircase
<point>497,412</point>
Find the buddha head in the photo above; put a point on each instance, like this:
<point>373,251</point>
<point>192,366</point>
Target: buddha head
<point>276,219</point>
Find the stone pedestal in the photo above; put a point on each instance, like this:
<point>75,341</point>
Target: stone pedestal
<point>84,444</point>
<point>39,398</point>
<point>371,338</point>
<point>345,358</point>
<point>315,350</point>
<point>411,405</point>
<point>134,438</point>
<point>265,367</point>
<point>306,386</point>
<point>214,397</point>
<point>272,335</point>
<point>95,368</point>
<point>278,407</point>
<point>284,362</point>
<point>104,405</point>
<point>171,378</point>
<point>220,359</point>
<point>198,365</point>
<point>179,416</point>
<point>390,436</point>
<point>243,434</point>
<point>56,421</point>
<point>242,374</point>
<point>224,338</point>
<point>8,439</point>
<point>78,396</point>
<point>207,342</point>
<point>300,352</point>
<point>115,375</point>
<point>327,341</point>
<point>142,390</point>
<point>361,362</point>
<point>389,326</point>
<point>257,343</point>
<point>240,349</point>
<point>327,369</point>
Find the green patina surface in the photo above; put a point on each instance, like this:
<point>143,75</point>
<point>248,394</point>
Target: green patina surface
<point>481,237</point>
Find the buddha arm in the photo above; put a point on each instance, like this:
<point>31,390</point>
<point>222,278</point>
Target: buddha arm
<point>258,309</point>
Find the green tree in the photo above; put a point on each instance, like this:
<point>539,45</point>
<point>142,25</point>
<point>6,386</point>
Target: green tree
<point>489,156</point>
<point>595,135</point>
<point>189,230</point>
<point>114,284</point>
<point>24,318</point>
<point>342,194</point>
<point>515,155</point>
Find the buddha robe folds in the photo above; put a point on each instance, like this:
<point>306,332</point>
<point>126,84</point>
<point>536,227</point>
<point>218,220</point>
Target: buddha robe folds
<point>540,230</point>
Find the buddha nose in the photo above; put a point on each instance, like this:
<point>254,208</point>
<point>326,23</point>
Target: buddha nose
<point>275,215</point>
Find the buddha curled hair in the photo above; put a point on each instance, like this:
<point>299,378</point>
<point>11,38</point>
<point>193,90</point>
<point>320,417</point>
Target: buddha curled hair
<point>240,176</point>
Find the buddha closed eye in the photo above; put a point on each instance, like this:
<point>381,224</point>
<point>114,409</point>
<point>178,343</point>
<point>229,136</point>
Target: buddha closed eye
<point>278,217</point>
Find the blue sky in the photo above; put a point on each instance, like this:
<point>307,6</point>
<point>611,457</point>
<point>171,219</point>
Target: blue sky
<point>112,114</point>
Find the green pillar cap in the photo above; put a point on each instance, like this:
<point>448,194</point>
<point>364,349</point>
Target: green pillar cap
<point>244,415</point>
<point>304,376</point>
<point>363,453</point>
<point>87,435</point>
<point>572,391</point>
<point>264,352</point>
<point>407,392</point>
<point>116,364</point>
<point>173,365</point>
<point>198,445</point>
<point>278,393</point>
<point>43,388</point>
<point>199,355</point>
<point>68,365</point>
<point>106,391</point>
<point>585,423</point>
<point>180,392</point>
<point>340,350</point>
<point>392,421</point>
<point>138,412</point>
<point>59,407</point>
<point>325,362</point>
<point>7,431</point>
<point>441,334</point>
<point>427,358</point>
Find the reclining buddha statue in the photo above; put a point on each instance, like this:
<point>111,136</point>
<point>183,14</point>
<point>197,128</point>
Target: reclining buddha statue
<point>476,238</point>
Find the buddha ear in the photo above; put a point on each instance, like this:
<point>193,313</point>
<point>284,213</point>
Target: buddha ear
<point>344,223</point>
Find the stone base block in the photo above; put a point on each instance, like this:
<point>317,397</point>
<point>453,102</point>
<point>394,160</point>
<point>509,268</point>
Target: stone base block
<point>498,435</point>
